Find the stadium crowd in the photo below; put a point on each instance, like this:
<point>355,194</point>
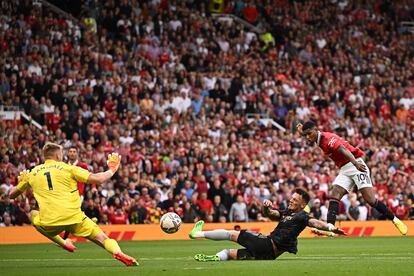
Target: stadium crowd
<point>169,87</point>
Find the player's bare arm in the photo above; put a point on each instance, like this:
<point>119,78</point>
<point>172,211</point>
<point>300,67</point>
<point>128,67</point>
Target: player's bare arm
<point>318,224</point>
<point>345,152</point>
<point>14,193</point>
<point>113,162</point>
<point>268,211</point>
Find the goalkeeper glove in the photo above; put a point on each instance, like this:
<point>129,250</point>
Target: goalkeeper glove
<point>113,162</point>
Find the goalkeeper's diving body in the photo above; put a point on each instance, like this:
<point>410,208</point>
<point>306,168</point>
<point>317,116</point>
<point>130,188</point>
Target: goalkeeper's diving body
<point>54,184</point>
<point>260,247</point>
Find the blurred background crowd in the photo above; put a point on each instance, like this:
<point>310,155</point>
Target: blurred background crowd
<point>181,95</point>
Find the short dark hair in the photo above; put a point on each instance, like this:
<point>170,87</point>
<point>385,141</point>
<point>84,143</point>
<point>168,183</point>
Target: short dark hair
<point>308,125</point>
<point>304,194</point>
<point>73,147</point>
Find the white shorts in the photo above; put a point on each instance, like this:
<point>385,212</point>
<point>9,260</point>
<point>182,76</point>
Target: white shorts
<point>349,176</point>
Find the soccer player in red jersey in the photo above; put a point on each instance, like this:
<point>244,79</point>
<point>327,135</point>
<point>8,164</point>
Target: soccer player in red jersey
<point>73,157</point>
<point>352,171</point>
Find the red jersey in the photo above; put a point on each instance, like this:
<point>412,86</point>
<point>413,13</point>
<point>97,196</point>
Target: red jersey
<point>401,212</point>
<point>205,205</point>
<point>330,142</point>
<point>118,217</point>
<point>81,186</point>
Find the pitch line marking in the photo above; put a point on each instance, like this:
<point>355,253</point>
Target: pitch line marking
<point>338,257</point>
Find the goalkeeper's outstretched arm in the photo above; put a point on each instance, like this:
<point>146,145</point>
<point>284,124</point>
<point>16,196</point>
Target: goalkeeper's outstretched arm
<point>22,185</point>
<point>14,192</point>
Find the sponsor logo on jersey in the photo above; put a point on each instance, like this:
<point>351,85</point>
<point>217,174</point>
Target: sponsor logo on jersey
<point>287,218</point>
<point>332,142</point>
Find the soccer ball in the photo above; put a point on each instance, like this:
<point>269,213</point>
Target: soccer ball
<point>170,223</point>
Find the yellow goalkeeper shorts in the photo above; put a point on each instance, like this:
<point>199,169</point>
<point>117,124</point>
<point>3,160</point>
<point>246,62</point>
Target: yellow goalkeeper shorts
<point>86,228</point>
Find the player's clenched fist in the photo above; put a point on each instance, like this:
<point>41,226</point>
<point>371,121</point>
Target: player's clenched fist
<point>22,175</point>
<point>267,203</point>
<point>114,159</point>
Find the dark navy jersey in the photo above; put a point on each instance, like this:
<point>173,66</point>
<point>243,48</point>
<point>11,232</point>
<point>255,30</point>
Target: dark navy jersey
<point>287,231</point>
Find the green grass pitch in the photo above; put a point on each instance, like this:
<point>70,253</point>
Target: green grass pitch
<point>318,256</point>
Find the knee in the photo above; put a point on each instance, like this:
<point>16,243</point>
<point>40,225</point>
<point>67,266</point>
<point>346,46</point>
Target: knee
<point>234,236</point>
<point>101,237</point>
<point>336,193</point>
<point>232,253</point>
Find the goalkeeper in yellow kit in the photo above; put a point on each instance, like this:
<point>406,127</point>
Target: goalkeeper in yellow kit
<point>54,185</point>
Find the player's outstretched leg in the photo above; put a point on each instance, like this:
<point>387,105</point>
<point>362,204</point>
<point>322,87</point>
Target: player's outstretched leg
<point>66,244</point>
<point>369,195</point>
<point>216,235</point>
<point>112,247</point>
<point>336,194</point>
<point>333,210</point>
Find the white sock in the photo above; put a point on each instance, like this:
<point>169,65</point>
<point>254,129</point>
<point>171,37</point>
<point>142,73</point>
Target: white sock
<point>331,227</point>
<point>223,254</point>
<point>218,235</point>
<point>199,234</point>
<point>395,219</point>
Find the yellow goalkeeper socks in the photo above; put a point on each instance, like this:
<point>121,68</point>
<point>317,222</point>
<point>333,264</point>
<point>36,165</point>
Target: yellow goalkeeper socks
<point>111,246</point>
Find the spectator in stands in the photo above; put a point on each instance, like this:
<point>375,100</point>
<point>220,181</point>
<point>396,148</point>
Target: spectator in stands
<point>411,209</point>
<point>118,216</point>
<point>316,209</point>
<point>254,208</point>
<point>154,212</point>
<point>353,210</point>
<point>205,206</point>
<point>138,214</point>
<point>219,210</point>
<point>23,215</point>
<point>189,214</point>
<point>238,211</point>
<point>402,210</point>
<point>7,220</point>
<point>7,207</point>
<point>90,209</point>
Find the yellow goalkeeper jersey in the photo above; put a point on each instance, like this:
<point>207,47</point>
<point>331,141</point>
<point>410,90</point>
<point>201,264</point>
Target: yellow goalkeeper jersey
<point>55,188</point>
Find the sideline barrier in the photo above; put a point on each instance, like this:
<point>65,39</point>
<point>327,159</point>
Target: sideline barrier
<point>27,234</point>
